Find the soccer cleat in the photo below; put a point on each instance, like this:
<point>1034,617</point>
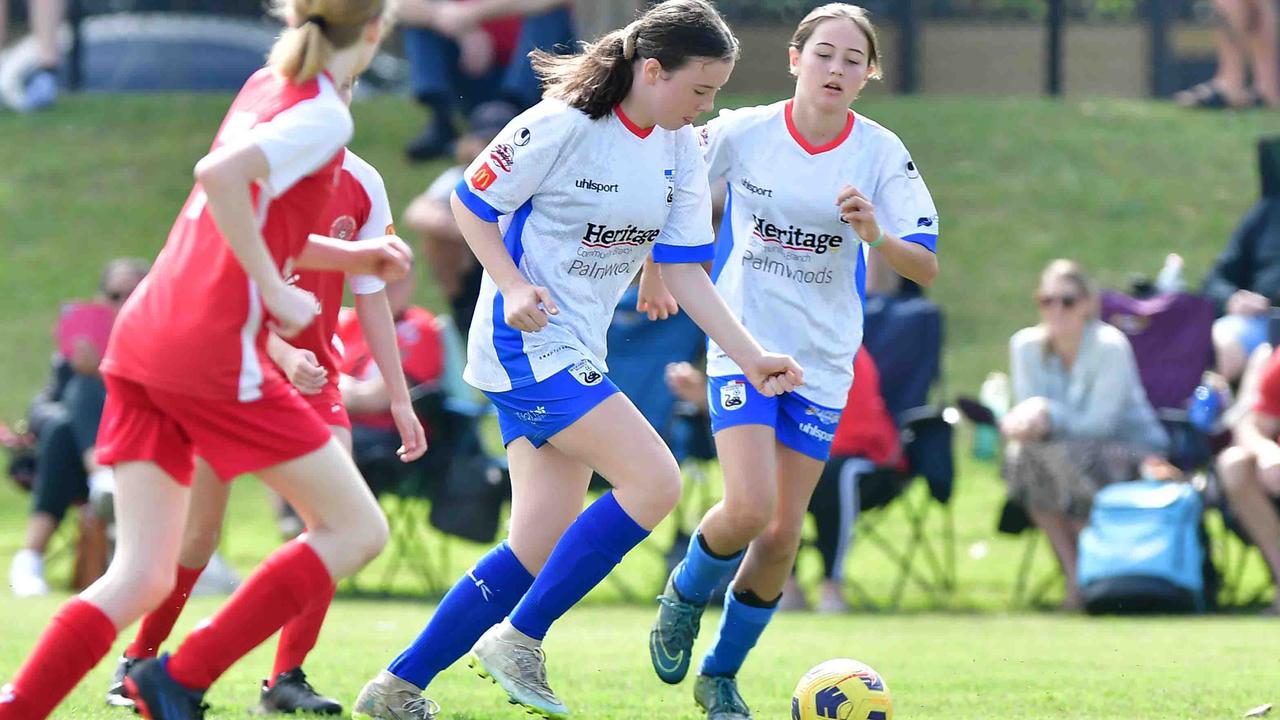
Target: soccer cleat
<point>673,633</point>
<point>26,574</point>
<point>719,697</point>
<point>520,670</point>
<point>158,696</point>
<point>292,693</point>
<point>387,697</point>
<point>116,695</point>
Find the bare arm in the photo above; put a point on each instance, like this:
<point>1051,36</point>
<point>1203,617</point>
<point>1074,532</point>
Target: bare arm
<point>1258,432</point>
<point>379,328</point>
<point>912,261</point>
<point>692,288</point>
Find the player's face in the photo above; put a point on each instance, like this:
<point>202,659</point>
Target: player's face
<point>369,42</point>
<point>831,69</point>
<point>683,95</point>
<point>1064,309</point>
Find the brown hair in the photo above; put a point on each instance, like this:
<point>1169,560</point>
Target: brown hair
<point>841,11</point>
<point>673,33</point>
<point>321,28</point>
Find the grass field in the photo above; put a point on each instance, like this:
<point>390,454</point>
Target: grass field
<point>939,666</point>
<point>1115,184</point>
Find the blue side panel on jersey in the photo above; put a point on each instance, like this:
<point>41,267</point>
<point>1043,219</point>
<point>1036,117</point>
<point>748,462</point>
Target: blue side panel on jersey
<point>683,253</point>
<point>724,241</point>
<point>928,240</point>
<point>508,341</point>
<point>475,203</point>
<point>860,276</point>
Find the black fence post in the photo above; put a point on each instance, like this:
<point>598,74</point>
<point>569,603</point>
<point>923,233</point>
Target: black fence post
<point>908,46</point>
<point>1055,22</point>
<point>75,59</point>
<point>1159,23</point>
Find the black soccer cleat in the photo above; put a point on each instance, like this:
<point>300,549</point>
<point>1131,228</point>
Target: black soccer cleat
<point>292,693</point>
<point>159,697</point>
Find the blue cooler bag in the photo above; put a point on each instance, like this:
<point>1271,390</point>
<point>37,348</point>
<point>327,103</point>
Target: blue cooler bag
<point>1142,550</point>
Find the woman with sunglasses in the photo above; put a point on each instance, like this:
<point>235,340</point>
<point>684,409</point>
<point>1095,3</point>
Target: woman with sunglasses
<point>1081,418</point>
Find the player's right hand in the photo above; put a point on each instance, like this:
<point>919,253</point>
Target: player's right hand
<point>387,257</point>
<point>527,307</point>
<point>291,307</point>
<point>654,299</point>
<point>773,374</point>
<point>305,371</point>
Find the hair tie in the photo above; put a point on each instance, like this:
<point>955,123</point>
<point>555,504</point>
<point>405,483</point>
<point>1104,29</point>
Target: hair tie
<point>630,35</point>
<point>318,21</point>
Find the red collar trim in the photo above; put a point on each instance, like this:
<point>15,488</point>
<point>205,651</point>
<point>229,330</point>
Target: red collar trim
<point>636,130</point>
<point>810,147</point>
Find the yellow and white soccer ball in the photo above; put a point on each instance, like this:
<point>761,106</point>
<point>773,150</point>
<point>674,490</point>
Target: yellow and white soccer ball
<point>842,689</point>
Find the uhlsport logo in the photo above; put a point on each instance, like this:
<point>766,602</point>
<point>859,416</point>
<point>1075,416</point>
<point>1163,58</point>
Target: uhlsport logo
<point>794,238</point>
<point>912,172</point>
<point>756,189</point>
<point>596,186</point>
<point>522,137</point>
<point>733,395</point>
<point>586,373</point>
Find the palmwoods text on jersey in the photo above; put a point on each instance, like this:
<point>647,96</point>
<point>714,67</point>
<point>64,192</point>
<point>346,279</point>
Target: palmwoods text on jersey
<point>607,252</point>
<point>782,248</point>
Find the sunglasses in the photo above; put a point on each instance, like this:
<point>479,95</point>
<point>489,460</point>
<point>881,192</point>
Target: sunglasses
<point>116,296</point>
<point>1066,301</point>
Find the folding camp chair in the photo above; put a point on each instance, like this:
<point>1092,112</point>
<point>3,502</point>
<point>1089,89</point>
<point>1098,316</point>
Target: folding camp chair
<point>1170,336</point>
<point>904,335</point>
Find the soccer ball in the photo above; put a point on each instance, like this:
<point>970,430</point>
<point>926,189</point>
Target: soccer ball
<point>842,689</point>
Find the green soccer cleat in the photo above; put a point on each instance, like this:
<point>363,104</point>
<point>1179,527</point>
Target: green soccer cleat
<point>719,697</point>
<point>673,633</point>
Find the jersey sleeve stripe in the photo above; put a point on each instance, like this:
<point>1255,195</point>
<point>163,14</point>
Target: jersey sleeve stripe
<point>475,203</point>
<point>928,240</point>
<point>683,253</point>
<point>508,342</point>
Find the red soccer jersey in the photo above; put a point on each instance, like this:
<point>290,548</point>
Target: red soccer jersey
<point>196,324</point>
<point>866,429</point>
<point>421,354</point>
<point>359,210</point>
<point>1269,388</point>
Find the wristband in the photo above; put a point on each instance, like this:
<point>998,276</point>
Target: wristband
<point>879,241</point>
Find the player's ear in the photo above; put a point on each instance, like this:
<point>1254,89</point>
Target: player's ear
<point>793,57</point>
<point>651,70</point>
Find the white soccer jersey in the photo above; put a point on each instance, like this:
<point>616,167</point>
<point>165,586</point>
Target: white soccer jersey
<point>792,271</point>
<point>580,204</point>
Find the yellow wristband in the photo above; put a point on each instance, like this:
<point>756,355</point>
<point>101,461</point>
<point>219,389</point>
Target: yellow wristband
<point>878,241</point>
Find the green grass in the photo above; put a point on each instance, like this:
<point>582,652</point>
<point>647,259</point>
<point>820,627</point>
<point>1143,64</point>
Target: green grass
<point>1113,183</point>
<point>947,666</point>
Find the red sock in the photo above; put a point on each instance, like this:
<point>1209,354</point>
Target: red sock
<point>300,634</point>
<point>77,637</point>
<point>157,624</point>
<point>284,585</point>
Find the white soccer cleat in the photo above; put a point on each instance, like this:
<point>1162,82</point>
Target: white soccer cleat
<point>387,697</point>
<point>518,668</point>
<point>26,574</point>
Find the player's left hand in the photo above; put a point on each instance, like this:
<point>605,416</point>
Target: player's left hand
<point>654,298</point>
<point>387,257</point>
<point>413,438</point>
<point>773,374</point>
<point>857,210</point>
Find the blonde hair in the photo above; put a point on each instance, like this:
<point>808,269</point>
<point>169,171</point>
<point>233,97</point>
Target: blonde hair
<point>673,33</point>
<point>320,28</point>
<point>1069,270</point>
<point>842,11</point>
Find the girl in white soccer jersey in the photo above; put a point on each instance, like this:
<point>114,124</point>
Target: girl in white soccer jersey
<point>809,185</point>
<point>562,210</point>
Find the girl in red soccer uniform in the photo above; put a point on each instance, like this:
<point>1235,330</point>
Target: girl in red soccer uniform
<point>187,373</point>
<point>360,212</point>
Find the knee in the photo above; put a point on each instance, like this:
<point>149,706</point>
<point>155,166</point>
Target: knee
<point>778,543</point>
<point>371,537</point>
<point>1235,466</point>
<point>750,515</point>
<point>667,487</point>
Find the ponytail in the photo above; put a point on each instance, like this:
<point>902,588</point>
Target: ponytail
<point>322,28</point>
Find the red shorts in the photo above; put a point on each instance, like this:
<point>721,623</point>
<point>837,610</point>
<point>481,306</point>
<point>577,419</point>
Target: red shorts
<point>328,405</point>
<point>141,423</point>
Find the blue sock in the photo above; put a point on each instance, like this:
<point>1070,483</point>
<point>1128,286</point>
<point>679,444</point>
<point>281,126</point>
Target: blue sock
<point>740,628</point>
<point>700,572</point>
<point>589,549</point>
<point>480,600</point>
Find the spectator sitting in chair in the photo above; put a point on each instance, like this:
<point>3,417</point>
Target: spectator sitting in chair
<point>429,215</point>
<point>64,418</point>
<point>1081,418</point>
<point>473,51</point>
<point>1250,472</point>
<point>373,431</point>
